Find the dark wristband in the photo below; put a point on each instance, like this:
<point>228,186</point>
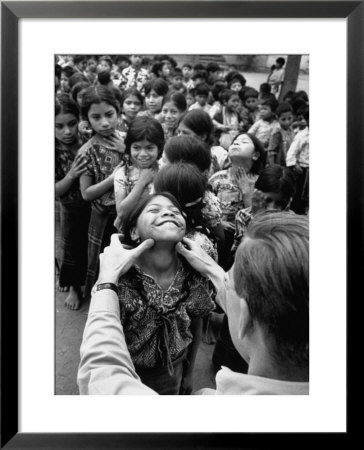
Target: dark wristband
<point>111,286</point>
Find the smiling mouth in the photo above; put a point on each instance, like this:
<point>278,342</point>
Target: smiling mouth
<point>169,221</point>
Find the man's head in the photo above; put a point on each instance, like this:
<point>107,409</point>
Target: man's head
<point>271,275</point>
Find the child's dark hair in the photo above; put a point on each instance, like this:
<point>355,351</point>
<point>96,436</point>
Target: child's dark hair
<point>121,58</point>
<point>104,77</point>
<point>259,163</point>
<point>265,88</point>
<point>77,77</point>
<point>249,93</point>
<point>202,89</point>
<point>159,86</point>
<point>201,74</point>
<point>79,58</point>
<point>200,123</point>
<point>177,72</point>
<point>302,94</point>
<point>234,76</point>
<point>304,111</point>
<point>186,183</point>
<point>217,88</point>
<point>188,149</point>
<point>68,71</point>
<point>66,105</point>
<point>178,99</point>
<point>272,102</point>
<point>279,180</point>
<point>281,61</point>
<point>199,67</point>
<point>97,95</point>
<point>284,107</point>
<point>130,220</point>
<point>147,128</point>
<point>213,67</point>
<point>77,88</point>
<point>107,59</point>
<point>187,65</point>
<point>129,93</point>
<point>288,95</point>
<point>226,95</point>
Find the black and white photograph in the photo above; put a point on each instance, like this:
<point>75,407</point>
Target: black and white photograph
<point>182,224</point>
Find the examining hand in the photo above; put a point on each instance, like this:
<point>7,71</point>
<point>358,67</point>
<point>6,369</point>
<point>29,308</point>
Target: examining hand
<point>117,260</point>
<point>195,255</point>
<point>146,176</point>
<point>116,142</point>
<point>78,167</point>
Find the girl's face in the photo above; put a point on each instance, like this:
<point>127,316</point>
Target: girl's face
<point>143,154</point>
<point>131,106</point>
<point>66,128</point>
<point>285,120</point>
<point>236,86</point>
<point>160,220</point>
<point>233,103</point>
<point>79,97</point>
<point>187,72</point>
<point>64,82</point>
<point>91,65</point>
<point>153,102</point>
<point>171,114</point>
<point>103,66</point>
<point>265,112</point>
<point>190,100</point>
<point>136,61</point>
<point>201,99</point>
<point>242,149</point>
<point>251,103</point>
<point>166,70</point>
<point>182,130</point>
<point>103,118</point>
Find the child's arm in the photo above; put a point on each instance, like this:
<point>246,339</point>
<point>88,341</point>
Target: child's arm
<point>124,203</point>
<point>187,378</point>
<point>91,191</point>
<point>254,128</point>
<point>76,170</point>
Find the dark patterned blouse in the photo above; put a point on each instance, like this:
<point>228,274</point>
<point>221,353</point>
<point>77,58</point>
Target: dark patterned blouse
<point>156,321</point>
<point>63,162</point>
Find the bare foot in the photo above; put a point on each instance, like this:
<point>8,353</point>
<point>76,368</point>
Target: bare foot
<point>74,298</point>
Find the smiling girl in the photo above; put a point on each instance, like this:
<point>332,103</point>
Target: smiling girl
<point>174,106</point>
<point>162,299</point>
<point>144,145</point>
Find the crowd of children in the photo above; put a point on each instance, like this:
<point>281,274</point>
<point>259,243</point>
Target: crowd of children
<point>211,148</point>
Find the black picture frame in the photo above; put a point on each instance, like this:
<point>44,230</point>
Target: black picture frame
<point>11,12</point>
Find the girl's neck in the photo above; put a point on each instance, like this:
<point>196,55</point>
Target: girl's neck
<point>246,165</point>
<point>160,262</point>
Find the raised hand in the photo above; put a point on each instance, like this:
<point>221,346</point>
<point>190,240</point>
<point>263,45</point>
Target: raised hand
<point>117,142</point>
<point>146,176</point>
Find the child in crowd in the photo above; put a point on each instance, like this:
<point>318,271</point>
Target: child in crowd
<point>298,160</point>
<point>199,124</point>
<point>199,77</point>
<point>91,65</point>
<point>155,92</point>
<point>187,76</point>
<point>135,75</point>
<point>282,135</point>
<point>177,81</point>
<point>202,91</point>
<point>162,299</point>
<point>192,149</point>
<point>144,146</point>
<point>78,90</point>
<point>234,187</point>
<point>265,93</point>
<point>75,212</point>
<point>131,103</point>
<point>276,77</point>
<point>104,152</point>
<point>250,103</point>
<point>105,64</point>
<point>264,126</point>
<point>190,97</point>
<point>216,106</point>
<point>228,122</point>
<point>186,183</point>
<point>174,106</point>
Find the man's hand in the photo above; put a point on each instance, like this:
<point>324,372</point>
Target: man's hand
<point>117,260</point>
<point>195,255</point>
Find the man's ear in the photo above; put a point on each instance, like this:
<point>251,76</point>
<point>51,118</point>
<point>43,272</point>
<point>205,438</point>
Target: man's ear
<point>245,322</point>
<point>134,234</point>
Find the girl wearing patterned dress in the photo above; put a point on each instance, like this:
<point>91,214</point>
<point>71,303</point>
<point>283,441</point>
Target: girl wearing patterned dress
<point>103,153</point>
<point>162,299</point>
<point>75,212</point>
